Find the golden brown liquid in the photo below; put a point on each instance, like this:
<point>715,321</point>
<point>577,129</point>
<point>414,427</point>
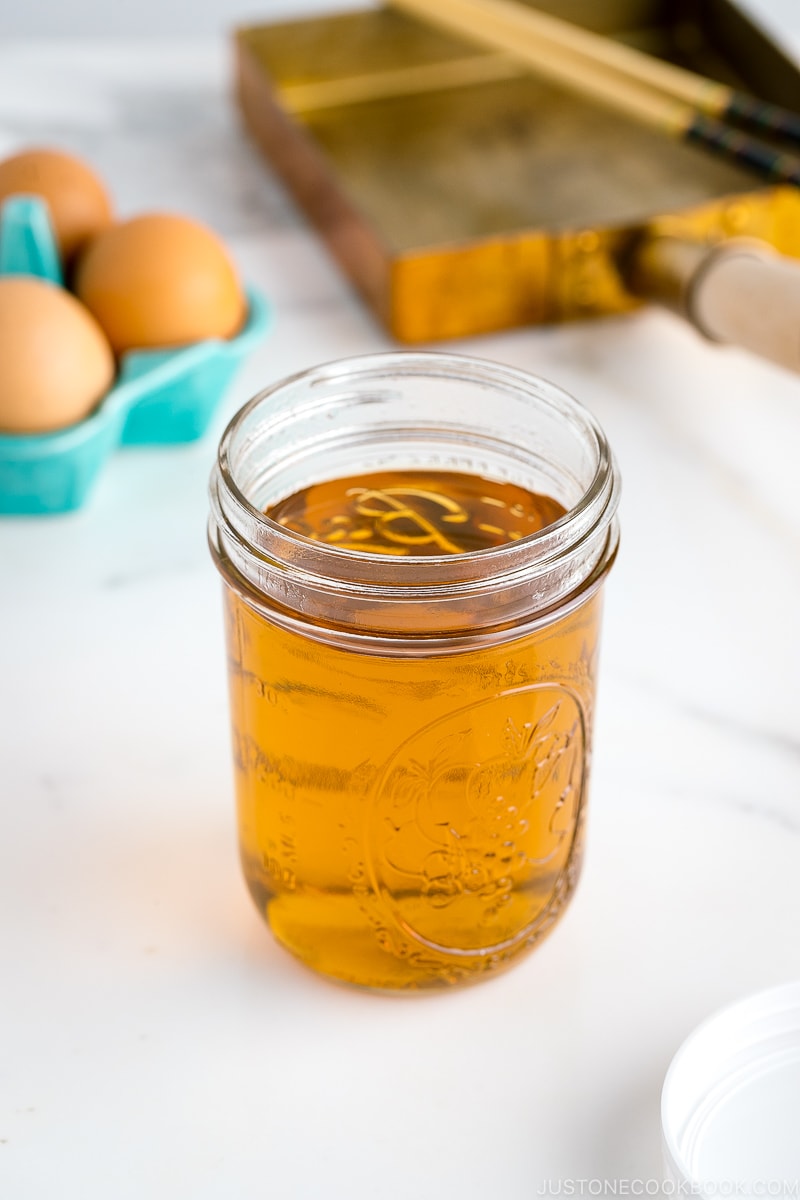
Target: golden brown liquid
<point>415,513</point>
<point>411,821</point>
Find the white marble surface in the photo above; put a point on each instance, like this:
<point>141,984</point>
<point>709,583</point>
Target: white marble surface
<point>153,1040</point>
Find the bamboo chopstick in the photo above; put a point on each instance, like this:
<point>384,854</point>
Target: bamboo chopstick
<point>618,76</point>
<point>714,99</point>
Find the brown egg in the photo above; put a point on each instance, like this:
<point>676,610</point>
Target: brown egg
<point>56,361</point>
<point>160,280</point>
<point>78,203</point>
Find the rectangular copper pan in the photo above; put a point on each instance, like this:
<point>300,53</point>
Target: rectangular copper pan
<point>465,209</point>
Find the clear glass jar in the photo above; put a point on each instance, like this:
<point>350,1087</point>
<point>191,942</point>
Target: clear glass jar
<point>411,734</point>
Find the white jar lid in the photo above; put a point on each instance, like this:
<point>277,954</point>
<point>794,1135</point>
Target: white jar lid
<point>730,1108</point>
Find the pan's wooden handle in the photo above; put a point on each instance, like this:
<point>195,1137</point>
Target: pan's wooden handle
<point>739,292</point>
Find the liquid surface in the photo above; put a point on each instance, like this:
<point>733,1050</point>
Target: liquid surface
<point>411,822</point>
<point>416,513</point>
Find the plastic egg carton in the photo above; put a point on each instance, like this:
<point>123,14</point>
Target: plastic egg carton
<point>160,397</point>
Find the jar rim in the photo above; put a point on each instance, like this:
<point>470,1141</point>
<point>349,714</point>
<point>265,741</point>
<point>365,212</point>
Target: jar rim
<point>425,362</point>
<point>457,594</point>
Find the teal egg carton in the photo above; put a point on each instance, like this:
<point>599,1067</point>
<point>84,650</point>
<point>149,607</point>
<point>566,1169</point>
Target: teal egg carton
<point>159,398</point>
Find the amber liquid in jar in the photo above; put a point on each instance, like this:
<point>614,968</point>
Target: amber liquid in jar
<point>411,821</point>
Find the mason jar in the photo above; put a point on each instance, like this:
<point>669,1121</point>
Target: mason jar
<point>412,696</point>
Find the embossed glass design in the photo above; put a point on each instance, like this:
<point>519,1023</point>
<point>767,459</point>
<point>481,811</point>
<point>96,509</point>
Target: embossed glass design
<point>412,733</point>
